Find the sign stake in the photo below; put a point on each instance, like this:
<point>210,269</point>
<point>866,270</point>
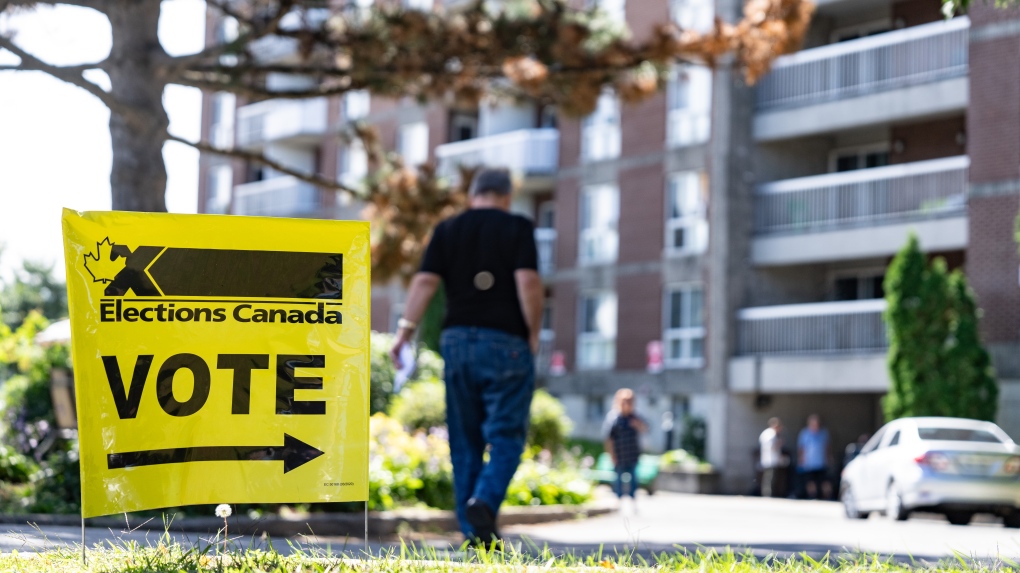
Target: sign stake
<point>83,562</point>
<point>367,550</point>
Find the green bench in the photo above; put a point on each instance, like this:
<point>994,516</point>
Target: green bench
<point>647,470</point>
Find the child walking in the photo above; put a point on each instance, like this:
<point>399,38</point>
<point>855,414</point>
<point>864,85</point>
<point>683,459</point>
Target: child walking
<point>622,430</point>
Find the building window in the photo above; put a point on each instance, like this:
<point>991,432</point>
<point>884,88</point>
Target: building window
<point>696,15</point>
<point>218,185</point>
<point>353,163</point>
<point>595,408</point>
<point>689,95</point>
<point>600,131</point>
<point>463,125</point>
<point>356,105</point>
<point>221,128</point>
<point>686,225</point>
<point>860,157</point>
<point>600,214</point>
<point>596,341</point>
<point>863,286</point>
<point>413,143</point>
<point>684,335</point>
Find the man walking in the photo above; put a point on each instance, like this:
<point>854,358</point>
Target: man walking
<point>813,456</point>
<point>486,260</point>
<point>770,443</point>
<point>622,430</point>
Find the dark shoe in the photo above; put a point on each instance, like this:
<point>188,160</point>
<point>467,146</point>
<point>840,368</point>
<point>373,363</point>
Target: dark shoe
<point>482,520</point>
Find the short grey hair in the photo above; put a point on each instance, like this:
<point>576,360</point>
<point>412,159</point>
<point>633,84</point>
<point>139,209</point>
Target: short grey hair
<point>496,181</point>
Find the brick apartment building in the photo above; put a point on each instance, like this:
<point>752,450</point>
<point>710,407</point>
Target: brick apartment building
<point>746,228</point>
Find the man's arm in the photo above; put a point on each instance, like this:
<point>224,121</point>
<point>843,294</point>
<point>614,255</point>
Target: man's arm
<point>531,296</point>
<point>423,288</point>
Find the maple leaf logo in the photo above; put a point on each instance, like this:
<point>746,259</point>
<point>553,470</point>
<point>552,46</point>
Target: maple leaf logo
<point>101,265</point>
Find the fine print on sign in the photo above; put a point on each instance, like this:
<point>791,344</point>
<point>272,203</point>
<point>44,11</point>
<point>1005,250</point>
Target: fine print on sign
<point>218,359</point>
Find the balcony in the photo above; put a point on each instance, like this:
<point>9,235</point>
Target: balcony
<point>863,213</point>
<point>543,358</point>
<point>277,197</point>
<point>545,240</point>
<point>300,122</point>
<point>525,152</point>
<point>902,75</point>
<point>833,347</point>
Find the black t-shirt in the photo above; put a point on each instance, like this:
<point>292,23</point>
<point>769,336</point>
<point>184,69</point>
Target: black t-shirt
<point>476,254</point>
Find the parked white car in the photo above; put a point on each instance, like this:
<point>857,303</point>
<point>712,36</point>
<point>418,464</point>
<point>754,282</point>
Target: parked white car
<point>952,466</point>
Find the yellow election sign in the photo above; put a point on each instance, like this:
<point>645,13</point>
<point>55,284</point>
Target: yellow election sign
<point>218,359</point>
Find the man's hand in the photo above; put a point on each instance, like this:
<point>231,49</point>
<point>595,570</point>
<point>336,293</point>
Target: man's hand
<point>403,337</point>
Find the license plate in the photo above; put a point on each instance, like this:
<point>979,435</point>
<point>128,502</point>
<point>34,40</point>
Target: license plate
<point>975,464</point>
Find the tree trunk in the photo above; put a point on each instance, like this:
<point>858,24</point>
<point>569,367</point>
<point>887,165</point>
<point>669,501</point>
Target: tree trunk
<point>137,69</point>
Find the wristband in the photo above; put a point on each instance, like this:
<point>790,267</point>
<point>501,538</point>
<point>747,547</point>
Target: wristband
<point>407,324</point>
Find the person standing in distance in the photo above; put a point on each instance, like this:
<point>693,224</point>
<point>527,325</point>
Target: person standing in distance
<point>622,431</point>
<point>771,444</point>
<point>487,261</point>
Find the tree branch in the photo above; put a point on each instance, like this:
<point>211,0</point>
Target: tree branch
<point>70,74</point>
<point>314,179</point>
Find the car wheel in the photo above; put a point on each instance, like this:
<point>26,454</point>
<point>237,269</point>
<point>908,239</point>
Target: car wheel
<point>959,517</point>
<point>850,505</point>
<point>1012,520</point>
<point>894,509</point>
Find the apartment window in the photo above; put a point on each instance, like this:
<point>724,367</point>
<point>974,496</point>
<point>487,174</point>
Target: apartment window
<point>860,287</point>
<point>686,225</point>
<point>600,214</point>
<point>596,339</point>
<point>353,163</point>
<point>615,9</point>
<point>414,143</point>
<point>862,30</point>
<point>217,197</point>
<point>595,408</point>
<point>600,131</point>
<point>356,105</point>
<point>696,15</point>
<point>861,157</point>
<point>221,128</point>
<point>463,125</point>
<point>689,96</point>
<point>684,337</point>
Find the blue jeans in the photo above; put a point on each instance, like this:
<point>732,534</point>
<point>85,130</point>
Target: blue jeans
<point>490,379</point>
<point>629,470</point>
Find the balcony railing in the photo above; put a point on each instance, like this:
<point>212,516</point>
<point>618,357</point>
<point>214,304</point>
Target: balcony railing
<point>908,191</point>
<point>911,56</point>
<point>847,327</point>
<point>276,120</point>
<point>525,151</point>
<point>543,358</point>
<point>545,240</point>
<point>277,197</point>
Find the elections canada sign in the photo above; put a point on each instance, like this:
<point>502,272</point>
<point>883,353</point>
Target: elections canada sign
<point>218,359</point>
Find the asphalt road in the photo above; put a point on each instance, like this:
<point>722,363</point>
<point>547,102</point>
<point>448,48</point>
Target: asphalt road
<point>664,522</point>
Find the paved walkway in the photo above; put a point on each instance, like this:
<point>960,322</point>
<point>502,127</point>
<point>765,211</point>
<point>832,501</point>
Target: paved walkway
<point>663,522</point>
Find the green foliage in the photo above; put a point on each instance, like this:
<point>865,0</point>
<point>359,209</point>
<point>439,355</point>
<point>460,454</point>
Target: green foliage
<point>694,434</point>
<point>429,365</point>
<point>550,426</point>
<point>540,482</point>
<point>14,467</point>
<point>32,288</point>
<point>936,361</point>
<point>421,405</point>
<point>683,460</point>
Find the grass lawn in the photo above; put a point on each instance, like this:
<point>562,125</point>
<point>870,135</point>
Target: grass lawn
<point>171,557</point>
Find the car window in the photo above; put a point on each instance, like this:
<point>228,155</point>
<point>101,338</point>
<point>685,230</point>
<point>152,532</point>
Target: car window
<point>958,435</point>
<point>895,439</point>
<point>873,442</point>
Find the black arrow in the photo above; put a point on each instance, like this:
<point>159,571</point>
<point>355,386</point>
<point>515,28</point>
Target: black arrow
<point>294,453</point>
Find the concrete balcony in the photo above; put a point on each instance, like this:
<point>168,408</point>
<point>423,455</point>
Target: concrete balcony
<point>295,122</point>
<point>277,197</point>
<point>908,74</point>
<point>861,214</point>
<point>545,240</point>
<point>531,154</point>
<point>820,347</point>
